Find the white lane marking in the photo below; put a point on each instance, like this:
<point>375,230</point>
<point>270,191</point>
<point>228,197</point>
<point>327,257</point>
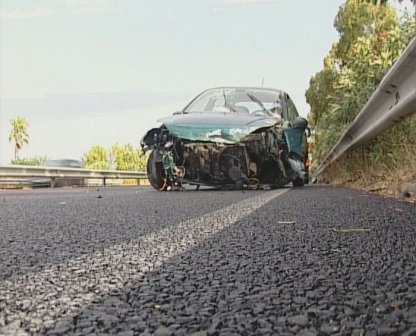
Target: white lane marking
<point>65,289</point>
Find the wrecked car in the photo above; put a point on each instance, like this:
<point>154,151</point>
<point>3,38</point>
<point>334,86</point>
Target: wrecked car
<point>230,137</point>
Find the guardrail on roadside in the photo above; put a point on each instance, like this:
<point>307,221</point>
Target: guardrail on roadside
<point>20,171</point>
<point>392,101</point>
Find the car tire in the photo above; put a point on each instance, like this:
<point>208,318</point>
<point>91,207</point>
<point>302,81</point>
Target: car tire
<point>298,182</point>
<point>155,172</point>
<point>306,179</point>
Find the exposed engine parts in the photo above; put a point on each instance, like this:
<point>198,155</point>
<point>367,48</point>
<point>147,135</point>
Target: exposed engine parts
<point>215,163</point>
<point>261,158</point>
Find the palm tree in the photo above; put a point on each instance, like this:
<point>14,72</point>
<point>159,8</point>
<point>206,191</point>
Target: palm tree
<point>18,134</point>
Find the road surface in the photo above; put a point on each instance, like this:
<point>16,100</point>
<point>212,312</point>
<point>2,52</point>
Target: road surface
<point>317,260</point>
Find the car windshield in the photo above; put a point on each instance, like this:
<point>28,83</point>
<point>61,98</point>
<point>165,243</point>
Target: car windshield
<point>260,102</point>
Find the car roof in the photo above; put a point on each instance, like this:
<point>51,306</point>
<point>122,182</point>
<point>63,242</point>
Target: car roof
<point>279,92</point>
<point>246,87</point>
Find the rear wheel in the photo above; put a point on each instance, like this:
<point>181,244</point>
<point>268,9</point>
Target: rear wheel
<point>155,172</point>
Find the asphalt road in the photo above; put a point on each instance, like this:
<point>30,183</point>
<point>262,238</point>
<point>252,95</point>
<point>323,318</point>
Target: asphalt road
<point>312,261</point>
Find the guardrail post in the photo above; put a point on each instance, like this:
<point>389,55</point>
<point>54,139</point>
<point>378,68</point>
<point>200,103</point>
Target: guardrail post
<point>104,182</point>
<point>53,182</point>
<point>138,182</point>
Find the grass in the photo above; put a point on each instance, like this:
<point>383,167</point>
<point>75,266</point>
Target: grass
<point>381,165</point>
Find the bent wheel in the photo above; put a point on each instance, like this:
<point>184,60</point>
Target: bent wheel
<point>155,172</point>
<point>298,182</point>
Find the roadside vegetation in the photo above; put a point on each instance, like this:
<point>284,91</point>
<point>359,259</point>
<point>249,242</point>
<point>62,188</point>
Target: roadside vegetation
<point>371,38</point>
<point>119,157</point>
<point>35,161</point>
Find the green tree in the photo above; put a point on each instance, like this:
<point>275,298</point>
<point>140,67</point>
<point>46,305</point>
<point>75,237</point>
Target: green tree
<point>97,157</point>
<point>19,134</point>
<point>371,38</point>
<point>385,2</point>
<point>357,18</point>
<point>129,158</point>
<point>35,161</point>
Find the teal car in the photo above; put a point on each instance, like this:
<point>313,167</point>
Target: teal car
<point>230,137</point>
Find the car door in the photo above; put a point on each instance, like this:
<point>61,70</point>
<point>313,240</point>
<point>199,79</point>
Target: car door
<point>295,137</point>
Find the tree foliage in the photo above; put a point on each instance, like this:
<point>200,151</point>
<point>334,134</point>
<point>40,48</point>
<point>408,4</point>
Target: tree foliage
<point>129,158</point>
<point>384,2</point>
<point>120,157</point>
<point>358,19</point>
<point>35,161</point>
<point>371,38</point>
<point>97,157</point>
<point>19,134</point>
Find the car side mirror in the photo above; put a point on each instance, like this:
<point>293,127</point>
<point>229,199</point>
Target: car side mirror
<point>301,123</point>
<point>308,132</point>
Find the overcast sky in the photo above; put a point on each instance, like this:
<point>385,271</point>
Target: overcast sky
<point>85,72</point>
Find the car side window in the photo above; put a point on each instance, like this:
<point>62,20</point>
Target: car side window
<point>291,108</point>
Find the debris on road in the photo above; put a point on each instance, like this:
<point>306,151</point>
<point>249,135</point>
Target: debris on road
<point>349,230</point>
<point>286,222</point>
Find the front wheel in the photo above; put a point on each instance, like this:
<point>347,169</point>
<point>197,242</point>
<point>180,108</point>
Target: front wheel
<point>155,172</point>
<point>306,178</point>
<point>298,182</point>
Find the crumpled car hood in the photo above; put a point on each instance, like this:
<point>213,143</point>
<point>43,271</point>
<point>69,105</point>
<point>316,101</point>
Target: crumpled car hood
<point>216,127</point>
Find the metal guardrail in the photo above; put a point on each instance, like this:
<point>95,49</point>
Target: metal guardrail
<point>391,102</point>
<point>19,171</point>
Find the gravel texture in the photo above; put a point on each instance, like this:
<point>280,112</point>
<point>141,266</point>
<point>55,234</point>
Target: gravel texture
<point>44,227</point>
<point>310,261</point>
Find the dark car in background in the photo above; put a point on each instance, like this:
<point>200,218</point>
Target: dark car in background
<point>60,182</point>
<point>230,137</point>
<point>65,163</point>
